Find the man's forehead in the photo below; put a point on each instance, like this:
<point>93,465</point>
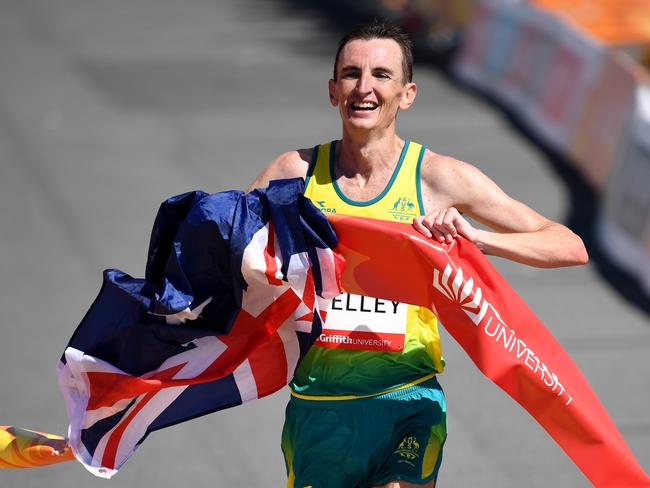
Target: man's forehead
<point>382,51</point>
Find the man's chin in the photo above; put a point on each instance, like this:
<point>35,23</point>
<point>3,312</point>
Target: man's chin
<point>362,123</point>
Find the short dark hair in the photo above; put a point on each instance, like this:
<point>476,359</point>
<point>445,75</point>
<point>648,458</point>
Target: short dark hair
<point>380,30</point>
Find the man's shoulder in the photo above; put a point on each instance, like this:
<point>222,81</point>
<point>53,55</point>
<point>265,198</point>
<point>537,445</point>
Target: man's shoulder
<point>441,165</point>
<point>289,164</point>
<point>446,175</point>
<point>295,158</point>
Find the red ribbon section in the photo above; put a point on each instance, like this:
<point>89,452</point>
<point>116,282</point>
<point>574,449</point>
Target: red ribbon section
<point>499,332</point>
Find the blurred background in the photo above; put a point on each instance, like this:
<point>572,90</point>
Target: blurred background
<point>108,108</point>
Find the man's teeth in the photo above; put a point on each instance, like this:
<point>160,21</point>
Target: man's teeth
<point>364,106</point>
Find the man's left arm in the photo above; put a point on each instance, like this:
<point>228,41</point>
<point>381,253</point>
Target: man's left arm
<point>452,188</point>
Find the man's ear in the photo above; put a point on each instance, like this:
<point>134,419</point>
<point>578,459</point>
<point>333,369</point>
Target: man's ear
<point>331,86</point>
<point>410,90</point>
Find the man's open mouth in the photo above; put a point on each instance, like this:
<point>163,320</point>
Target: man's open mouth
<point>364,105</point>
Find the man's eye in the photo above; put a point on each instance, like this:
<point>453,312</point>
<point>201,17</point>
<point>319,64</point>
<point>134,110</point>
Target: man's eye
<point>382,76</point>
<point>350,75</point>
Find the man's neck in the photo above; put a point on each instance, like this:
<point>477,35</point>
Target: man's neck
<point>361,155</point>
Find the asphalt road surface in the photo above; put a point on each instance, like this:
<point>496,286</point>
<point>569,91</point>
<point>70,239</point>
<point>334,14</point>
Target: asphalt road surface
<point>107,108</point>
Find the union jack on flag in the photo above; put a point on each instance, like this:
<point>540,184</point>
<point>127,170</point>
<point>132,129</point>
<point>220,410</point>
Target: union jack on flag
<point>233,296</point>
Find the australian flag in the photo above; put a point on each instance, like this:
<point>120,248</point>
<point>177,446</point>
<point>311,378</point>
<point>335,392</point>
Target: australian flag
<point>234,294</point>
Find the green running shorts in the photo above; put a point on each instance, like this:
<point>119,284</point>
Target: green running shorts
<point>366,442</point>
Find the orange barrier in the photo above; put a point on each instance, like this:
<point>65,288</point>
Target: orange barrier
<point>616,22</point>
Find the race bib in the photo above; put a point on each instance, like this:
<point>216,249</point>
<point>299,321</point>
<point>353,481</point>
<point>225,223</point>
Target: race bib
<point>365,323</point>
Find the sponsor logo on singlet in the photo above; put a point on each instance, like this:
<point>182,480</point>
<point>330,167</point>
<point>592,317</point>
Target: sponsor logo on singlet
<point>364,323</point>
<point>322,205</point>
<point>402,209</point>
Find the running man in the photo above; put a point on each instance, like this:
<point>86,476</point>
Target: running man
<point>366,409</point>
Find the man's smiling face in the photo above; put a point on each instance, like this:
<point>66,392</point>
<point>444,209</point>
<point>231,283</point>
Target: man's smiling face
<point>370,87</point>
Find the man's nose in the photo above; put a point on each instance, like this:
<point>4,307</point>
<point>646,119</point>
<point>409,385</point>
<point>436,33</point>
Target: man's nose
<point>364,83</point>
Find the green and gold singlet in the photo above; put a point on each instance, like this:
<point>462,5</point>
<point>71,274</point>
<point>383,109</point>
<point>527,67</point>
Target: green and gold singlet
<point>369,346</point>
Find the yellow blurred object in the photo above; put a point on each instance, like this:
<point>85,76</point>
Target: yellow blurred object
<point>22,448</point>
<point>615,22</point>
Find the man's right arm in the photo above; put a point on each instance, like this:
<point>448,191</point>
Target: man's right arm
<point>517,232</point>
<point>292,164</point>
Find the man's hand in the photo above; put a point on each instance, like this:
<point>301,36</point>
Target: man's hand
<point>444,225</point>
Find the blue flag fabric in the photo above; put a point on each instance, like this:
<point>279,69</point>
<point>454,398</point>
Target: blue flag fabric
<point>233,296</point>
